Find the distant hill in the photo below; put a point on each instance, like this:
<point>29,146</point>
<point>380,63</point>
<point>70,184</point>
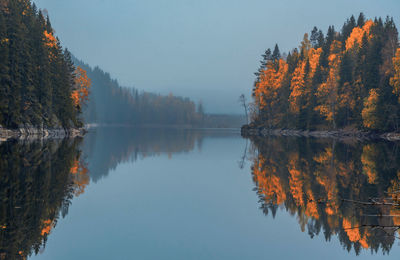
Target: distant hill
<point>111,104</point>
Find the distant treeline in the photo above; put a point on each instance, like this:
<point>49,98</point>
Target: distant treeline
<point>37,76</point>
<point>346,79</point>
<point>222,121</point>
<point>111,104</point>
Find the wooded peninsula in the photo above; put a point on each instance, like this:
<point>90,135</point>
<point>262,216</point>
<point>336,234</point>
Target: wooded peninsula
<point>347,79</point>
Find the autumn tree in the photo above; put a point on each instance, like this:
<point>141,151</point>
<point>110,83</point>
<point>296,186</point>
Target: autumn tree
<point>370,113</point>
<point>82,85</point>
<point>328,91</point>
<point>340,80</point>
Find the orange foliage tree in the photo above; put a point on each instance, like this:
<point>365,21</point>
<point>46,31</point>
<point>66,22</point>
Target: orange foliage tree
<point>358,33</point>
<point>297,85</point>
<point>268,87</point>
<point>80,94</point>
<point>50,40</point>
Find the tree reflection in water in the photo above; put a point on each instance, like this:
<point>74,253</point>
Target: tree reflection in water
<point>39,179</point>
<point>37,182</point>
<point>349,189</point>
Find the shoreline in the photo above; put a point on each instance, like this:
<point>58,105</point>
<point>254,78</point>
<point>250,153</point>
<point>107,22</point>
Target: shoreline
<point>32,133</point>
<point>248,131</point>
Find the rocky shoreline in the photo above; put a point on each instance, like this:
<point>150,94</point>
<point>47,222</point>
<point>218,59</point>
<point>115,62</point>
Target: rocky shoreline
<point>40,133</point>
<point>248,131</point>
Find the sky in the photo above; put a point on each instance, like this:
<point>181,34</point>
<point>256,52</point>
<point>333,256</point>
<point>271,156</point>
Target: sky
<point>207,50</point>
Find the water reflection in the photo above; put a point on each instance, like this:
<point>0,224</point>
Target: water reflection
<point>39,179</point>
<point>345,189</point>
<point>37,182</point>
<point>106,147</point>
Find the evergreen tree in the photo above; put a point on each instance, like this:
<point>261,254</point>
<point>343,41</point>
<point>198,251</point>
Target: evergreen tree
<point>4,70</point>
<point>348,28</point>
<point>35,72</point>
<point>361,20</point>
<point>276,55</point>
<point>315,36</point>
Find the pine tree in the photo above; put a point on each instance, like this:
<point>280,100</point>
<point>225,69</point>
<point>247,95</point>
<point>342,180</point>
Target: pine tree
<point>361,20</point>
<point>276,54</point>
<point>16,49</point>
<point>4,70</point>
<point>348,28</point>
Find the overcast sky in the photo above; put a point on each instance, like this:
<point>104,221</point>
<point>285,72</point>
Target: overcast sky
<point>205,49</point>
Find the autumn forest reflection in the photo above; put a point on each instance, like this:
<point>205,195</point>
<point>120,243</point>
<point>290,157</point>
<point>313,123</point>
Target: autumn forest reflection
<point>344,189</point>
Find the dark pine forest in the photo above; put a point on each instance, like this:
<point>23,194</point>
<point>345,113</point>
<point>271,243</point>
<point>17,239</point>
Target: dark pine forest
<point>37,76</point>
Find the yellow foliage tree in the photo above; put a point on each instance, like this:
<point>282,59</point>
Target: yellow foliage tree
<point>370,112</point>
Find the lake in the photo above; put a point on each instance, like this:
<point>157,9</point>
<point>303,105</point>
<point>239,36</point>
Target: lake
<point>136,193</point>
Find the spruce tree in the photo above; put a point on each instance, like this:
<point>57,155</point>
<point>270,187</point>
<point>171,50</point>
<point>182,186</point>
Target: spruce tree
<point>276,54</point>
<point>4,70</point>
<point>361,20</point>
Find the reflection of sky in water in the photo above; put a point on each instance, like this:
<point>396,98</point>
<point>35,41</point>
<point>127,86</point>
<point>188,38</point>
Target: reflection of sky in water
<point>195,205</point>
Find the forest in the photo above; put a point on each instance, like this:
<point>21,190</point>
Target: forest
<point>109,103</point>
<point>39,85</point>
<point>347,79</point>
<point>42,85</point>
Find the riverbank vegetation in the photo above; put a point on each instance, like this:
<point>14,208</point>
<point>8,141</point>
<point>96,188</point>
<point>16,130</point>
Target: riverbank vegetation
<point>347,79</point>
<point>39,85</point>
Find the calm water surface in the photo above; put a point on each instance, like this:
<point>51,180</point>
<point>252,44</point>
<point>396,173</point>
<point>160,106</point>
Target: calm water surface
<point>126,193</point>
